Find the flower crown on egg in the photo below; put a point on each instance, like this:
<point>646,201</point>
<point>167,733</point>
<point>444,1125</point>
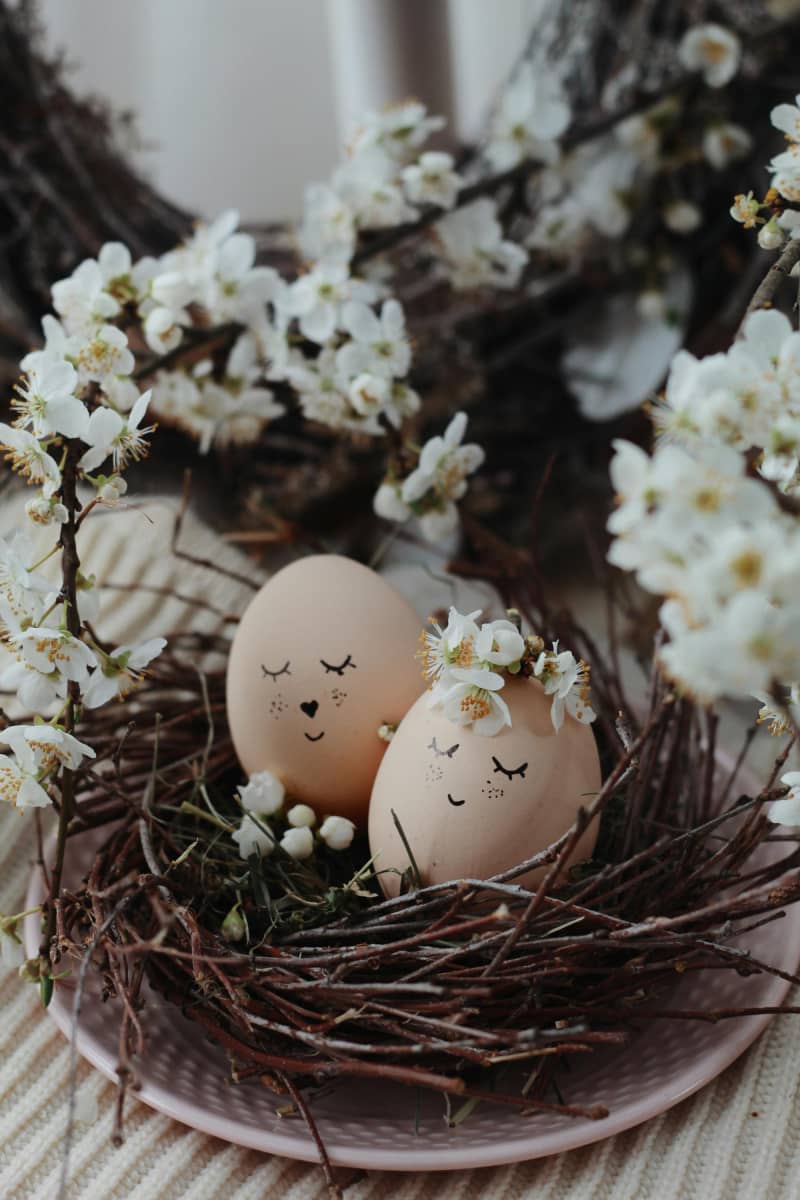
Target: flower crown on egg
<point>468,664</point>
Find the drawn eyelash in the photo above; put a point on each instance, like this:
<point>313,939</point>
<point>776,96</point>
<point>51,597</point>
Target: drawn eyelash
<point>348,662</point>
<point>276,674</point>
<point>520,770</point>
<point>443,753</point>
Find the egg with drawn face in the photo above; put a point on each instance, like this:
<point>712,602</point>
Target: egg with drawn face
<point>472,806</point>
<point>323,656</point>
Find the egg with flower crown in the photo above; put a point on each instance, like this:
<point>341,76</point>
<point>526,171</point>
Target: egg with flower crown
<point>322,658</point>
<point>491,765</point>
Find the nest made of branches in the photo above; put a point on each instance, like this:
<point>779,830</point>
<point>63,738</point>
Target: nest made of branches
<point>451,987</point>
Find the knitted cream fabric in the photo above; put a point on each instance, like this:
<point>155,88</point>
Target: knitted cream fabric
<point>738,1139</point>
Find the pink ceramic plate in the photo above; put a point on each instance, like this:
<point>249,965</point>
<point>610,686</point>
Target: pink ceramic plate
<point>391,1129</point>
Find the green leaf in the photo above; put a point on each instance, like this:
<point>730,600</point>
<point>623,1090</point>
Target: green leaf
<point>46,989</point>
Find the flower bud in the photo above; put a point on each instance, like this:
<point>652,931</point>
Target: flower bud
<point>301,816</point>
<point>337,832</point>
<point>298,843</point>
<point>234,927</point>
<point>771,236</point>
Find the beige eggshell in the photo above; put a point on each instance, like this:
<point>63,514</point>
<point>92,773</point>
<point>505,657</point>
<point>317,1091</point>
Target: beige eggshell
<point>317,729</point>
<point>462,817</point>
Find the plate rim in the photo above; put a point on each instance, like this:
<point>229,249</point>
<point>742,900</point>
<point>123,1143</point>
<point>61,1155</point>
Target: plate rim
<point>735,1037</point>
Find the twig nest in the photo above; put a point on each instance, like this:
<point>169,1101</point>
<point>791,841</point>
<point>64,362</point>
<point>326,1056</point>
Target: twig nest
<point>323,656</point>
<point>472,806</point>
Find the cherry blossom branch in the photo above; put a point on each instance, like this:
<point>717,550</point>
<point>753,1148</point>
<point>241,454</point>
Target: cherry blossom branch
<point>70,566</point>
<point>780,270</point>
<point>383,242</point>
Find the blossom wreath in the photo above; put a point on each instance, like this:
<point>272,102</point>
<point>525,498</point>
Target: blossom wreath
<point>467,666</point>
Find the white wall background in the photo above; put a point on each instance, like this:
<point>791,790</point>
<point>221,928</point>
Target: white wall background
<point>241,102</point>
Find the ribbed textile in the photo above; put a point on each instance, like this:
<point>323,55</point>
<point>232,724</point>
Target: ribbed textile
<point>738,1139</point>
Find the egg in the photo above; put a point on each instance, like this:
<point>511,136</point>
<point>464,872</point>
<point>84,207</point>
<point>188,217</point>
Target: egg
<point>323,656</point>
<point>472,806</point>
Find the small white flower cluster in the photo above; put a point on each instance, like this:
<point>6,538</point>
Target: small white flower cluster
<point>76,403</point>
<point>595,189</point>
<point>785,168</point>
<point>386,181</point>
<point>380,183</point>
<point>467,666</point>
<point>263,797</point>
<point>747,397</point>
<point>698,531</point>
<point>432,489</point>
<point>208,281</point>
<point>356,380</point>
<point>784,223</point>
<point>351,378</point>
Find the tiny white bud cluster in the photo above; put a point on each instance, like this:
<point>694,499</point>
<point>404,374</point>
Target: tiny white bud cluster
<point>264,825</point>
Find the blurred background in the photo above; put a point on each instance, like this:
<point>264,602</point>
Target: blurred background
<point>296,73</point>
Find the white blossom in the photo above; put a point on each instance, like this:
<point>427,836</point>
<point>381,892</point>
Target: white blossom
<point>29,457</point>
<point>81,300</point>
<point>301,816</point>
<point>725,143</point>
<point>453,646</point>
<point>46,510</point>
<point>745,209</point>
<point>786,117</point>
<point>713,51</point>
<point>432,180</point>
<point>337,833</point>
<point>444,465</point>
<point>119,672</point>
<point>105,354</point>
<point>110,490</point>
<point>371,186</point>
<point>263,794</point>
<point>317,299</point>
<point>46,402</point>
<point>533,112</point>
<point>388,504</point>
<point>681,216</point>
<point>110,433</point>
<point>328,230</point>
<point>298,843</point>
<point>398,130</point>
<point>566,679</point>
<point>500,643</point>
<point>474,250</point>
<point>37,751</point>
<point>779,718</point>
<point>466,703</point>
<point>378,343</point>
<point>771,236</point>
<point>252,838</point>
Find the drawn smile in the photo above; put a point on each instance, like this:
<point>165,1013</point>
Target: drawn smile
<point>455,803</point>
<point>314,739</point>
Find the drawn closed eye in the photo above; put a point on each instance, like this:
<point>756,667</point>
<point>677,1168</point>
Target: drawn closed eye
<point>276,674</point>
<point>520,770</point>
<point>348,662</point>
<point>442,753</point>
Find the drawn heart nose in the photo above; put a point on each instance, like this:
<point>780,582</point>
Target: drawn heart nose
<point>309,707</point>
